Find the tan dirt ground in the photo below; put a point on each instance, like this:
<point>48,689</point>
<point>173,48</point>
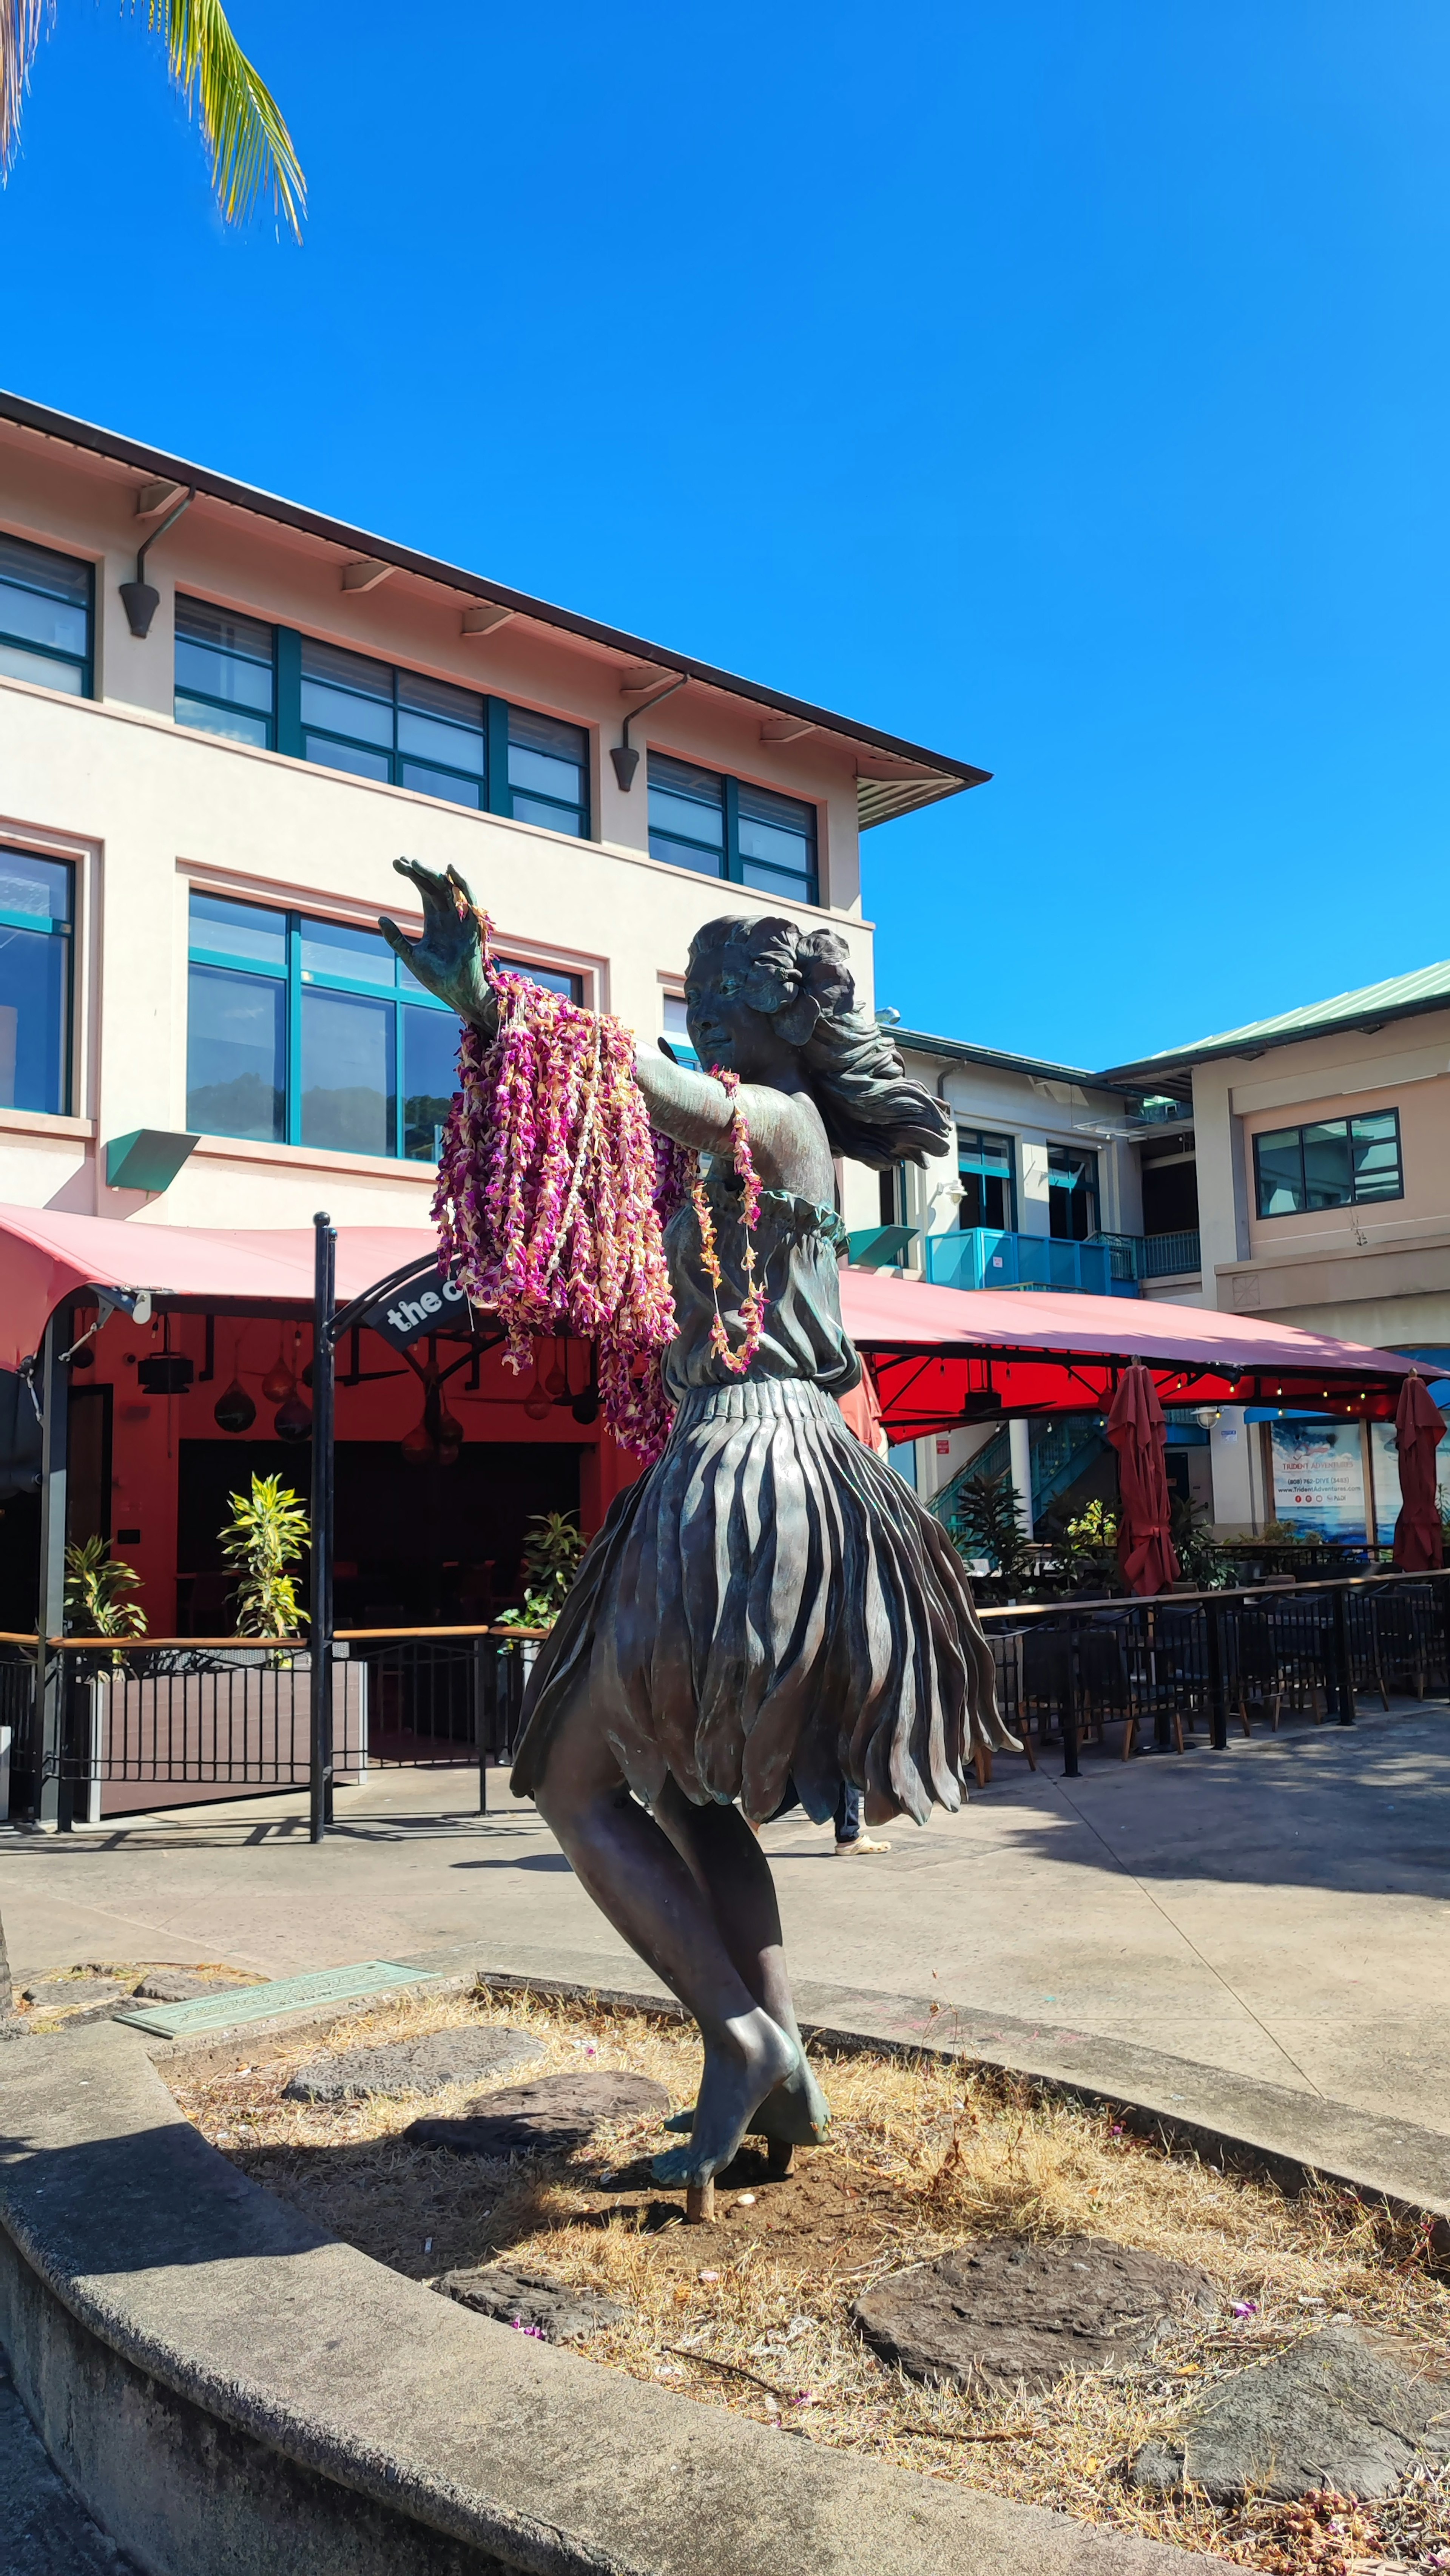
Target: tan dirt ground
<point>925,2155</point>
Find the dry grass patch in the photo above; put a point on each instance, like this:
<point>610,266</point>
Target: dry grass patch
<point>926,2155</point>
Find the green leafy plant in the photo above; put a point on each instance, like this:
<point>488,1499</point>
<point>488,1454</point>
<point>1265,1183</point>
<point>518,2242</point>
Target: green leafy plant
<point>1095,1528</point>
<point>1284,1534</point>
<point>986,1524</point>
<point>242,125</point>
<point>552,1549</point>
<point>96,1585</point>
<point>1201,1561</point>
<point>267,1532</point>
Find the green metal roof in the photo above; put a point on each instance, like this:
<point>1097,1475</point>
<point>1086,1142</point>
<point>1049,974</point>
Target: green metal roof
<point>1428,989</point>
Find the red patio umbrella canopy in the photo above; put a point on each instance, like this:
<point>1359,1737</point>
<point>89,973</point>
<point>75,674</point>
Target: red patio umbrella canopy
<point>1419,1428</point>
<point>1138,1432</point>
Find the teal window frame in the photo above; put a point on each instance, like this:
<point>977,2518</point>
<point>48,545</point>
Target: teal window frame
<point>984,1155</point>
<point>724,858</point>
<point>496,790</point>
<point>198,696</point>
<point>1070,1169</point>
<point>1310,1204</point>
<point>401,993</point>
<point>84,663</point>
<point>41,925</point>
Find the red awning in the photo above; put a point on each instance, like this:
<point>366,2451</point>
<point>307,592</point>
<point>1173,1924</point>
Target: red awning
<point>941,1355</point>
<point>45,1257</point>
<point>949,1355</point>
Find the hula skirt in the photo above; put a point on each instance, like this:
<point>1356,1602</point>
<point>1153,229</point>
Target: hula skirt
<point>770,1605</point>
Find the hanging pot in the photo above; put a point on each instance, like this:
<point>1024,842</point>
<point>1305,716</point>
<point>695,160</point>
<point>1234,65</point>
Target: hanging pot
<point>293,1419</point>
<point>234,1409</point>
<point>279,1381</point>
<point>417,1446</point>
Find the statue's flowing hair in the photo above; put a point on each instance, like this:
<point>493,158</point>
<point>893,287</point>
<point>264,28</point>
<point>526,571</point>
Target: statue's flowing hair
<point>871,1109</point>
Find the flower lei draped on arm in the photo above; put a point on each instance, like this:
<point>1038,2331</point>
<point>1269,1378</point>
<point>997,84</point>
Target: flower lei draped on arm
<point>553,1190</point>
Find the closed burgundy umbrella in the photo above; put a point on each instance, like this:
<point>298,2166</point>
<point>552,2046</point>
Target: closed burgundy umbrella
<point>1137,1431</point>
<point>1419,1428</point>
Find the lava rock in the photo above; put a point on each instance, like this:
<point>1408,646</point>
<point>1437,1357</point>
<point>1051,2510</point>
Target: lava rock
<point>556,2113</point>
<point>532,2300</point>
<point>57,1994</point>
<point>1008,2311</point>
<point>1330,2412</point>
<point>177,1986</point>
<point>412,2065</point>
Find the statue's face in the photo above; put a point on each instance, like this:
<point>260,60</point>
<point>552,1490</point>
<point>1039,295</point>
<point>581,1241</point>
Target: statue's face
<point>727,1031</point>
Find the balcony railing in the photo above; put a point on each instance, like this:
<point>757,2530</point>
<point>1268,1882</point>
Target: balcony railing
<point>978,1257</point>
<point>1107,1265</point>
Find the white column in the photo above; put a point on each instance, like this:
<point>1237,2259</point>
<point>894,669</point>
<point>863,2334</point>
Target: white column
<point>1019,1435</point>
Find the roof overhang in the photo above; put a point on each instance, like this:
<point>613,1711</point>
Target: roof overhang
<point>892,776</point>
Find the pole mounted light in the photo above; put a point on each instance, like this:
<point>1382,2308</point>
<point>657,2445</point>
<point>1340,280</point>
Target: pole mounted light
<point>140,598</point>
<point>624,755</point>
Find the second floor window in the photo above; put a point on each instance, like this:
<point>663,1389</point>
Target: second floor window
<point>35,982</point>
<point>45,617</point>
<point>280,691</point>
<point>365,717</point>
<point>984,1166</point>
<point>1336,1162</point>
<point>724,828</point>
<point>1072,1193</point>
<point>225,676</point>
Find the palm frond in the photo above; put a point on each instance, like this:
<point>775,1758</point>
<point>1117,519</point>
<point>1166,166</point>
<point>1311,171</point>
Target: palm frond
<point>251,149</point>
<point>20,26</point>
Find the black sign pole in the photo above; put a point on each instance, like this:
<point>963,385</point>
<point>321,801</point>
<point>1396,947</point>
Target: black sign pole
<point>323,1364</point>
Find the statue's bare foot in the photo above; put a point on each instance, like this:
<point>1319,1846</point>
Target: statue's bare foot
<point>796,2112</point>
<point>744,2063</point>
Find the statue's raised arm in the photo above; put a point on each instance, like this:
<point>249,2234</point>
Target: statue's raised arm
<point>684,1103</point>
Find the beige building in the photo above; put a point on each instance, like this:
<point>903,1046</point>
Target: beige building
<point>1321,1144</point>
<point>210,758</point>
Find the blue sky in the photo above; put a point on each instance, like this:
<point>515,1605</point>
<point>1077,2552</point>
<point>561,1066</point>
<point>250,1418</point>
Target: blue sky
<point>1064,386</point>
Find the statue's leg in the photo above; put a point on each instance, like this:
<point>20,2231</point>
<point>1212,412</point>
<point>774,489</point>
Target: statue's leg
<point>639,1879</point>
<point>734,1874</point>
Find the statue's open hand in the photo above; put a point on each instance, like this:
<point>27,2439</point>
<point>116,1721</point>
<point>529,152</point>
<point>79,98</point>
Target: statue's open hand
<point>448,959</point>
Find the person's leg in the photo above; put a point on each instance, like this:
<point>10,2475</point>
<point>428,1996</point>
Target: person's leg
<point>725,1858</point>
<point>639,1879</point>
<point>849,1837</point>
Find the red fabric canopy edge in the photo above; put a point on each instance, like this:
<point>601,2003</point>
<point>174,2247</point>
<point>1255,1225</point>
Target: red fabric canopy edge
<point>941,1355</point>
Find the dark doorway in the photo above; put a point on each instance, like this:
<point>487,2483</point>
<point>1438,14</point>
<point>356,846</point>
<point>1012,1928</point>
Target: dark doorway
<point>416,1546</point>
<point>88,1464</point>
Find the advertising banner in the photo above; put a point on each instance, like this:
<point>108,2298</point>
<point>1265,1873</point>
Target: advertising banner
<point>1319,1478</point>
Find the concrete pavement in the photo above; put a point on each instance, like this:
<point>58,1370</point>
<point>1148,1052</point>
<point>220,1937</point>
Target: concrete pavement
<point>1278,1910</point>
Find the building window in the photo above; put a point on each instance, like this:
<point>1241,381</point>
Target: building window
<point>724,828</point>
<point>35,982</point>
<point>225,674</point>
<point>1336,1162</point>
<point>989,1195</point>
<point>555,979</point>
<point>894,1199</point>
<point>1072,1193</point>
<point>45,617</point>
<point>375,722</point>
<point>548,775</point>
<point>677,1029</point>
<point>280,691</point>
<point>311,1032</point>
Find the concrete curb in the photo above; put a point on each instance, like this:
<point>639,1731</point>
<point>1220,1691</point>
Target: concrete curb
<point>231,2393</point>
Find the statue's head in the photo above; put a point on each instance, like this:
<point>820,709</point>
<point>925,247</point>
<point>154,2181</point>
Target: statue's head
<point>763,997</point>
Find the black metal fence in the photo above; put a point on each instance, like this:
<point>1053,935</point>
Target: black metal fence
<point>110,1729</point>
<point>1160,1670</point>
<point>96,1730</point>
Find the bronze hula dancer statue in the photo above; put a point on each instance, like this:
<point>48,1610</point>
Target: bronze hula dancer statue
<point>768,1611</point>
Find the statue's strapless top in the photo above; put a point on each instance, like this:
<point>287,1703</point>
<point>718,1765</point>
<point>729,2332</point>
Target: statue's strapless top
<point>796,1246</point>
